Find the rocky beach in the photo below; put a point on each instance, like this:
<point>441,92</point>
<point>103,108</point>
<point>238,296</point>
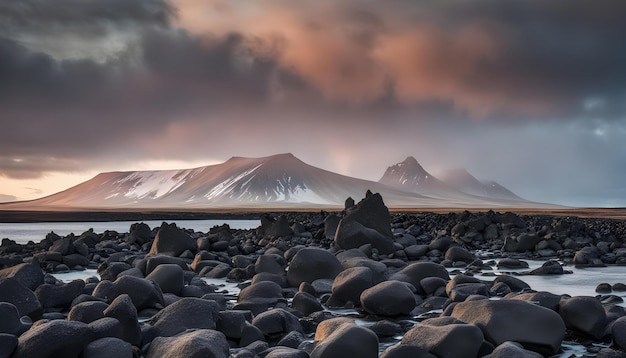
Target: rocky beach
<point>357,283</point>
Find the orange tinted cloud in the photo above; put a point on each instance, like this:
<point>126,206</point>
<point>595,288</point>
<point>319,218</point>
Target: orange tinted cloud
<point>358,52</point>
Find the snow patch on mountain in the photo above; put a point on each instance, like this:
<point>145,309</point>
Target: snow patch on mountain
<point>152,184</point>
<point>225,188</point>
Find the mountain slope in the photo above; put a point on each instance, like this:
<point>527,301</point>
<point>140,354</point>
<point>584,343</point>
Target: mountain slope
<point>270,181</point>
<point>278,181</point>
<point>462,180</point>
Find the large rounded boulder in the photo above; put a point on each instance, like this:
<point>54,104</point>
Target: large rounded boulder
<point>29,275</point>
<point>537,328</point>
<point>345,339</point>
<point>416,272</point>
<point>57,338</point>
<point>310,264</point>
<point>199,343</point>
<point>350,283</point>
<point>187,313</point>
<point>584,314</point>
<point>445,337</point>
<point>388,298</point>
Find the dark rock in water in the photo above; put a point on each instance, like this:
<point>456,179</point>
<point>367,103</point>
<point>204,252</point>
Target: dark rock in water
<point>514,283</point>
<point>55,338</point>
<point>541,298</point>
<point>604,288</point>
<point>389,298</point>
<point>445,337</point>
<point>266,292</point>
<point>281,280</point>
<point>610,353</point>
<point>29,275</point>
<point>512,349</point>
<point>11,322</point>
<point>588,256</point>
<point>415,272</point>
<point>75,260</point>
<point>348,203</point>
<point>192,344</point>
<point>456,253</point>
<point>430,285</point>
<point>270,263</point>
<point>350,283</point>
<point>405,351</point>
<point>277,322</point>
<point>462,286</point>
<point>352,234</point>
<point>274,228</point>
<point>441,243</point>
<point>523,242</point>
<point>12,291</point>
<point>619,287</point>
<point>169,277</point>
<point>366,223</point>
<point>188,313</point>
<point>106,327</point>
<point>510,263</point>
<point>112,270</point>
<point>346,340</point>
<point>306,303</point>
<point>59,296</point>
<point>108,347</point>
<point>548,268</point>
<point>87,312</point>
<point>63,246</point>
<point>143,293</point>
<point>172,241</point>
<point>416,251</point>
<point>285,352</point>
<point>537,328</point>
<point>8,343</point>
<point>232,322</point>
<point>386,328</point>
<point>310,264</point>
<point>331,222</point>
<point>124,311</point>
<point>584,314</point>
<point>153,262</point>
<point>619,332</point>
<point>139,234</point>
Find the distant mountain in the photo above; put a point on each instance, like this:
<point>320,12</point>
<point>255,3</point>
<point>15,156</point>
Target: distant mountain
<point>278,181</point>
<point>462,180</point>
<point>409,175</point>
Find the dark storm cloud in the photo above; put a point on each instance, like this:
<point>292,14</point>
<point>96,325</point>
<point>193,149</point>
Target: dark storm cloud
<point>57,114</point>
<point>80,17</point>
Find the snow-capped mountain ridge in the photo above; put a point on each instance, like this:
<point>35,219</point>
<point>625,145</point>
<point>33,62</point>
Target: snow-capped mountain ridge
<point>274,181</point>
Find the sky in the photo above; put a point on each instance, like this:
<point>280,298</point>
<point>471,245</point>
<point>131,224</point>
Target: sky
<point>530,93</point>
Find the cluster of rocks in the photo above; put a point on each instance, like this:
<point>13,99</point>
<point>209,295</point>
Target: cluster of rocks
<point>151,300</point>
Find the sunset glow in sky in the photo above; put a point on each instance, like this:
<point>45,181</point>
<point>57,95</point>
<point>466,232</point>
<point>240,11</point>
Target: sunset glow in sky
<point>530,93</point>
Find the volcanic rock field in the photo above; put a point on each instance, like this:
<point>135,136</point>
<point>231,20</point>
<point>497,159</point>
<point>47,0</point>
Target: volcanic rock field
<point>357,283</point>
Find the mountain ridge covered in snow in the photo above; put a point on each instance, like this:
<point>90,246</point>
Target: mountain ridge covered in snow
<point>273,181</point>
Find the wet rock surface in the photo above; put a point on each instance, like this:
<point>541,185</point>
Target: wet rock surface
<point>415,276</point>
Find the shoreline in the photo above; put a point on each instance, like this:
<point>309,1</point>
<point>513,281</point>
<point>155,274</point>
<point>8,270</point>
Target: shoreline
<point>102,215</point>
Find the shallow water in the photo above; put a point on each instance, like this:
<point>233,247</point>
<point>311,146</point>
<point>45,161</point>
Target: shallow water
<point>24,232</point>
<point>582,282</point>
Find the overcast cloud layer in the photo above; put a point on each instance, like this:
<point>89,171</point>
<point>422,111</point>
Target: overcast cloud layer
<point>529,93</point>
